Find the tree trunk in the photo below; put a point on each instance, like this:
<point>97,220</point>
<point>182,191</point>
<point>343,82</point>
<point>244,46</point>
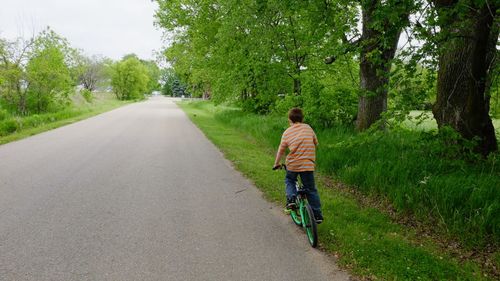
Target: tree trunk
<point>297,86</point>
<point>464,64</point>
<point>377,51</point>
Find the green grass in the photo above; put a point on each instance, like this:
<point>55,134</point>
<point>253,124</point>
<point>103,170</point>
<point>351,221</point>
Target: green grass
<point>424,121</point>
<point>14,128</point>
<point>367,241</point>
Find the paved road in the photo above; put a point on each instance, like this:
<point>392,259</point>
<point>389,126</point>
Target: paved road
<point>139,193</point>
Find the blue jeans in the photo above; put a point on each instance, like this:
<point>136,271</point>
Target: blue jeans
<point>309,186</point>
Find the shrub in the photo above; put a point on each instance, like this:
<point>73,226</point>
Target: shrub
<point>8,127</point>
<point>3,114</point>
<point>87,95</point>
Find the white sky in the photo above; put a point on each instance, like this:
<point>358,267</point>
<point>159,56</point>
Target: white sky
<point>111,28</point>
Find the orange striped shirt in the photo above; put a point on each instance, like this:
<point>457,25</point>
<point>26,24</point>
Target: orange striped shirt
<point>301,141</point>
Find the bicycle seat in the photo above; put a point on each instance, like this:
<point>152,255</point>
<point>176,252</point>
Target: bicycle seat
<point>301,192</point>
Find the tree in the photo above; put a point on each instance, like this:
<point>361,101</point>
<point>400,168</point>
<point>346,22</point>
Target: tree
<point>90,71</point>
<point>382,23</point>
<point>167,79</point>
<point>13,58</point>
<point>250,51</point>
<point>153,75</point>
<point>49,79</point>
<point>177,89</point>
<point>467,50</point>
<point>129,79</point>
<point>35,71</point>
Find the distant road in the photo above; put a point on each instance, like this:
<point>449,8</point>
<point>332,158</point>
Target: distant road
<point>139,193</point>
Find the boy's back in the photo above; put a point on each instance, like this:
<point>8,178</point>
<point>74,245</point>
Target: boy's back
<point>301,141</point>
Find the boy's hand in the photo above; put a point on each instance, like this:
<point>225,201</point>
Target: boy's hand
<point>276,167</point>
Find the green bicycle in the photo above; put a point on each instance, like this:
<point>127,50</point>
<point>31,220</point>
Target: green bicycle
<point>302,215</point>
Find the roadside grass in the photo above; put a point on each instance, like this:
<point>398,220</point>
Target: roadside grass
<point>14,128</point>
<point>366,240</point>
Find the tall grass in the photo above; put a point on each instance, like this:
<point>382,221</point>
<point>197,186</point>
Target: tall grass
<point>13,127</point>
<point>421,173</point>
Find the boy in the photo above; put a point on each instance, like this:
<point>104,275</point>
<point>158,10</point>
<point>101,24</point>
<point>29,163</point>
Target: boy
<point>301,140</point>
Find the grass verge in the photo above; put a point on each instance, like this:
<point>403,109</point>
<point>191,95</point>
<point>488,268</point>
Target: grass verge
<point>16,128</point>
<point>365,239</point>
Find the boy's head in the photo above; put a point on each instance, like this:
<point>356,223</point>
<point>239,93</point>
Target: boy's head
<point>295,115</point>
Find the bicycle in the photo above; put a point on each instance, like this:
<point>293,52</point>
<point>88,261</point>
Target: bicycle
<point>302,215</point>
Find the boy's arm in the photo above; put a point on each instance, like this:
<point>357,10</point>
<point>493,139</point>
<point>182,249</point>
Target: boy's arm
<point>279,156</point>
<point>281,152</point>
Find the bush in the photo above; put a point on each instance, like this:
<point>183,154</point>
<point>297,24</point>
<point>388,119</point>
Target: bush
<point>331,107</point>
<point>8,127</point>
<point>3,114</point>
<point>87,95</point>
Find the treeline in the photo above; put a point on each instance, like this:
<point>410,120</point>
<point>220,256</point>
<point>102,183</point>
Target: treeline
<point>172,85</point>
<point>41,74</point>
<point>343,61</point>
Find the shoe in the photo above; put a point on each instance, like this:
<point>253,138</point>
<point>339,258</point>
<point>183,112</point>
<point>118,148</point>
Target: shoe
<point>319,219</point>
<point>290,203</point>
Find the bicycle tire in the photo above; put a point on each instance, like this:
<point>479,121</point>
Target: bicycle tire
<point>310,226</point>
<point>295,215</point>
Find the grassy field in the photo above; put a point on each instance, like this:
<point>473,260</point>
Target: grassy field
<point>14,128</point>
<point>424,121</point>
<point>366,240</point>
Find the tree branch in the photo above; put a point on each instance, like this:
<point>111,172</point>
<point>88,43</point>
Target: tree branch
<point>351,46</point>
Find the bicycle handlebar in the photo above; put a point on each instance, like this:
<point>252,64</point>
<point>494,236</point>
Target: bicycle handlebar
<point>279,167</point>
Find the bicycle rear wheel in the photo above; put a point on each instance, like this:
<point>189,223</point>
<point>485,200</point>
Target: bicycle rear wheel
<point>310,226</point>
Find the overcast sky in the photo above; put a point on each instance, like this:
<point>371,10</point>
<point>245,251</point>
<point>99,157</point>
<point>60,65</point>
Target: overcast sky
<point>111,28</point>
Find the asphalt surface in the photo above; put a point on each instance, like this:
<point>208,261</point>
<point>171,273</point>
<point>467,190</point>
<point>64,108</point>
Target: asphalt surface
<point>139,193</point>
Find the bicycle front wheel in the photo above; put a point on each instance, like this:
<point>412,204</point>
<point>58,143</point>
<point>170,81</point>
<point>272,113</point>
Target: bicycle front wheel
<point>310,226</point>
<point>295,214</point>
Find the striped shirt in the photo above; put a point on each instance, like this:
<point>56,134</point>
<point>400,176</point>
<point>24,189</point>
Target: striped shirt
<point>301,141</point>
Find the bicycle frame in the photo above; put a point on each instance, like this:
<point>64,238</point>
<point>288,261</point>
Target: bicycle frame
<point>306,219</point>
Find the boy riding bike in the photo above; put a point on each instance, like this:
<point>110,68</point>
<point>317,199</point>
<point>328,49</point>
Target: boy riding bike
<point>301,140</point>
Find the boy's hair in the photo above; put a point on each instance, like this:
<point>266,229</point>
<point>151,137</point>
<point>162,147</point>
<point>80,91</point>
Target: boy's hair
<point>295,115</point>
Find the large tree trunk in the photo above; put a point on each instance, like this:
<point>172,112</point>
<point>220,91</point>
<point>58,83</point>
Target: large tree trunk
<point>377,51</point>
<point>464,63</point>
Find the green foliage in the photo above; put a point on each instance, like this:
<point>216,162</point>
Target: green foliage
<point>87,95</point>
<point>154,75</point>
<point>36,73</point>
<point>167,80</point>
<point>8,126</point>
<point>178,90</point>
<point>14,128</point>
<point>423,175</point>
<point>91,72</point>
<point>251,52</point>
<point>49,79</point>
<point>413,87</point>
<point>494,91</point>
<point>130,79</point>
<point>3,114</point>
